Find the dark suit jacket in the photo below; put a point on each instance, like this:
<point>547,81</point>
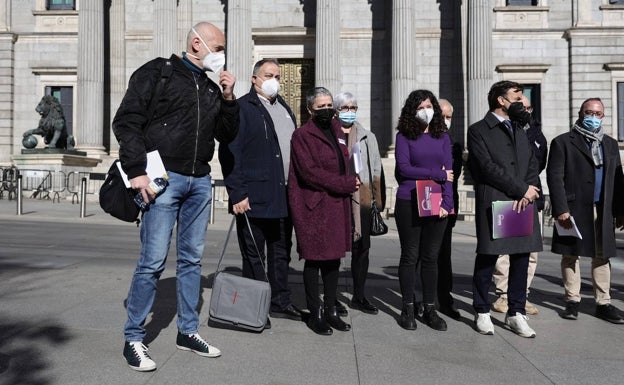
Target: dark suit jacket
<point>502,168</point>
<point>571,179</point>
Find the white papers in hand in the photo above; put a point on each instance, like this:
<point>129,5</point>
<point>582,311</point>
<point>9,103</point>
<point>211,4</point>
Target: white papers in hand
<point>357,158</point>
<point>155,167</point>
<point>571,232</point>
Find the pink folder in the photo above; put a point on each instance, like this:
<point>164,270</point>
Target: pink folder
<point>429,195</point>
<point>508,223</point>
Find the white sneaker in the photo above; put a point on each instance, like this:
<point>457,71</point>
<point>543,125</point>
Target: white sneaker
<point>484,324</point>
<point>137,356</point>
<point>518,324</point>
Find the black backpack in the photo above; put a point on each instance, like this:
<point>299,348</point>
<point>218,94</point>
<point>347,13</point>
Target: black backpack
<point>115,198</point>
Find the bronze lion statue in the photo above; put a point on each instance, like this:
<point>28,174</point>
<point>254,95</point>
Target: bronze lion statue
<point>52,124</point>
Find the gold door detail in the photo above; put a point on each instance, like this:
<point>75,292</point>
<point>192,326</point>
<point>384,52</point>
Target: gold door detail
<point>297,79</point>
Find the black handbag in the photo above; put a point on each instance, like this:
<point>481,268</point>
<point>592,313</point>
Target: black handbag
<point>378,227</point>
<point>116,199</point>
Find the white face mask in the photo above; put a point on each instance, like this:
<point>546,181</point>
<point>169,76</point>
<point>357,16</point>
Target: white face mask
<point>425,114</point>
<point>448,123</point>
<point>270,88</point>
<point>213,61</point>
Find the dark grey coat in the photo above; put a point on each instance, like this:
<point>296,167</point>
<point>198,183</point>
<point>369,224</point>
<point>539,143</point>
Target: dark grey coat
<point>571,180</point>
<point>502,169</point>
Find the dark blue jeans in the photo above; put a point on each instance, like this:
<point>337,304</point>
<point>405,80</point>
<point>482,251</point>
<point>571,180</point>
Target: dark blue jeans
<point>274,234</point>
<point>482,279</point>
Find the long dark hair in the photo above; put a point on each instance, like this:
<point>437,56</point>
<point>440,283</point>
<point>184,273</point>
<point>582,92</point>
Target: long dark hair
<point>410,126</point>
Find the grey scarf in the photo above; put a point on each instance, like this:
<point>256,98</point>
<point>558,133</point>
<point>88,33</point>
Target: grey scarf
<point>595,138</point>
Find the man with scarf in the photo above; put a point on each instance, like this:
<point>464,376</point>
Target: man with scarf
<point>586,182</point>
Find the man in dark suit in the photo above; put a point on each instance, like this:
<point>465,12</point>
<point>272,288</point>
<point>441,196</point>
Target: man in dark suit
<point>586,183</point>
<point>504,168</point>
<point>255,168</point>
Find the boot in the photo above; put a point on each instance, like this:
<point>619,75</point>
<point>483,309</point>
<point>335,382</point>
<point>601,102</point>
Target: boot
<point>317,323</point>
<point>432,319</point>
<point>332,317</point>
<point>407,317</point>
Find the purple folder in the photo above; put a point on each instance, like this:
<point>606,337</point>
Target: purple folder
<point>508,223</point>
<point>429,195</point>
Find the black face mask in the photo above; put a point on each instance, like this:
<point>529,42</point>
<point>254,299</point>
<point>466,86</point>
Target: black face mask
<point>323,117</point>
<point>518,114</point>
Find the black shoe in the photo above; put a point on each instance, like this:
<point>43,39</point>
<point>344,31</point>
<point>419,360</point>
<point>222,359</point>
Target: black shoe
<point>408,321</point>
<point>197,345</point>
<point>570,311</point>
<point>450,311</point>
<point>267,325</point>
<point>609,313</point>
<point>364,306</point>
<point>290,312</point>
<point>341,309</point>
<point>317,322</point>
<point>419,309</point>
<point>332,317</point>
<point>137,357</point>
<point>432,319</point>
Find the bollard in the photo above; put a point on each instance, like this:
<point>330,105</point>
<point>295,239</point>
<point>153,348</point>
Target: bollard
<point>83,197</point>
<point>19,195</point>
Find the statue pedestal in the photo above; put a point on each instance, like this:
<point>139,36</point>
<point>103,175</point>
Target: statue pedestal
<point>53,159</point>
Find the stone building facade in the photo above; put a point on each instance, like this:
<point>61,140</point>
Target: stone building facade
<point>84,51</point>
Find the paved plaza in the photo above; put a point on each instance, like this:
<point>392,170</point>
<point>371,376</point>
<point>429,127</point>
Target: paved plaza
<point>63,281</point>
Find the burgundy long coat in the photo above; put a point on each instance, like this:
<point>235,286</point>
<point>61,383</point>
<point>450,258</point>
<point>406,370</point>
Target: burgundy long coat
<point>319,196</point>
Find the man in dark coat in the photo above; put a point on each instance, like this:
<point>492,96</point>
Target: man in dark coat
<point>586,183</point>
<point>503,168</point>
<point>255,167</point>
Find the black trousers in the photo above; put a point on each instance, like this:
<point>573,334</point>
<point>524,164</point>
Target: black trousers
<point>359,269</point>
<point>420,238</point>
<point>482,279</point>
<point>445,269</point>
<point>329,272</point>
<point>276,235</point>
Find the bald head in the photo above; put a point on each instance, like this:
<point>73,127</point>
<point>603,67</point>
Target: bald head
<point>209,33</point>
<point>447,111</point>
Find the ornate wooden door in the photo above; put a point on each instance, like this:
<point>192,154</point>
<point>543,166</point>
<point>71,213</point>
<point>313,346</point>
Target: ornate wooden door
<point>297,79</point>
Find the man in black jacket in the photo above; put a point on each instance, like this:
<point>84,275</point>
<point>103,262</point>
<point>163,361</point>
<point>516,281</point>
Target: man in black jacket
<point>190,111</point>
<point>255,168</point>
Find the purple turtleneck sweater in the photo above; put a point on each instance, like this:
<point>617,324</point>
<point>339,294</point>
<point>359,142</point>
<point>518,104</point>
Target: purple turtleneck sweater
<point>424,158</point>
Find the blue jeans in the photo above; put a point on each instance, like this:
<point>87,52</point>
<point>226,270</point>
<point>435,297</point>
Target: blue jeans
<point>187,199</point>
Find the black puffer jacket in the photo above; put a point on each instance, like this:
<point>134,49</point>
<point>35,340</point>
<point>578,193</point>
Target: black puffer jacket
<point>190,114</point>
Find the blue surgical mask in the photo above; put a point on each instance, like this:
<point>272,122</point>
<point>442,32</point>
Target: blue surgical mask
<point>347,117</point>
<point>592,123</point>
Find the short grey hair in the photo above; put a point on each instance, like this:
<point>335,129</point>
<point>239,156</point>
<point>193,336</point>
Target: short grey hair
<point>344,98</point>
<point>316,92</point>
<point>262,62</point>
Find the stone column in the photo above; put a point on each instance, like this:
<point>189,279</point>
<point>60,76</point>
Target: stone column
<point>480,71</point>
<point>327,60</point>
<point>165,40</point>
<point>5,15</point>
<point>239,44</point>
<point>584,13</point>
<point>185,22</point>
<point>89,130</point>
<point>118,80</point>
<point>403,68</point>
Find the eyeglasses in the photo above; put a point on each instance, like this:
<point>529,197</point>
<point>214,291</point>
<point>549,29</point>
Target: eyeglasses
<point>348,108</point>
<point>598,114</point>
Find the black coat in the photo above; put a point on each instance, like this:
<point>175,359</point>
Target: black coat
<point>571,179</point>
<point>252,163</point>
<point>502,168</point>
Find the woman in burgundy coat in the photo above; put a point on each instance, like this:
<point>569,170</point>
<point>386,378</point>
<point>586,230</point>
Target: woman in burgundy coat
<point>320,187</point>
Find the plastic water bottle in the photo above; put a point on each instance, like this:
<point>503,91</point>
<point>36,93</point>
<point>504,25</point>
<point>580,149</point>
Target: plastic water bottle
<point>157,186</point>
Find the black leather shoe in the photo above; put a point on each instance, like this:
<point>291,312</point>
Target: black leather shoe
<point>408,321</point>
<point>432,319</point>
<point>290,312</point>
<point>609,313</point>
<point>341,309</point>
<point>570,311</point>
<point>364,306</point>
<point>317,322</point>
<point>450,311</point>
<point>333,319</point>
<point>267,325</point>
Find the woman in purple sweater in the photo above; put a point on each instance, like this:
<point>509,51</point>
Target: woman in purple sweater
<point>423,152</point>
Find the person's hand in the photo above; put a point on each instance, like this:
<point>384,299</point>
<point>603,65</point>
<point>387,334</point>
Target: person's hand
<point>241,207</point>
<point>449,175</point>
<point>443,213</point>
<point>357,182</point>
<point>227,81</point>
<point>520,205</point>
<point>564,220</point>
<point>141,184</point>
<point>532,193</point>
